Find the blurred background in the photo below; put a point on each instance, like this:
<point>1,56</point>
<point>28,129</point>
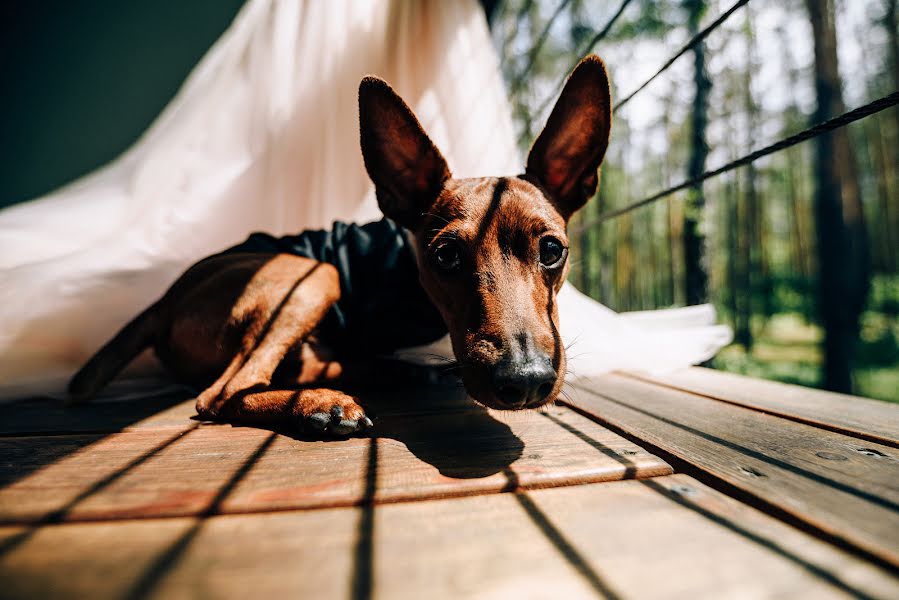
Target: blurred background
<point>798,251</point>
<point>760,259</point>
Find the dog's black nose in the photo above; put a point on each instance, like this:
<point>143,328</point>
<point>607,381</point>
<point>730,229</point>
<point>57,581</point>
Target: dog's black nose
<point>519,384</point>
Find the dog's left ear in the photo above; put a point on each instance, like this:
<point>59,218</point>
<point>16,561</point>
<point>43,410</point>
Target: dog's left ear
<point>406,167</point>
<point>569,150</point>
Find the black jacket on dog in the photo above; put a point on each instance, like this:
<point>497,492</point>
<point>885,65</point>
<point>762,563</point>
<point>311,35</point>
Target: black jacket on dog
<point>382,306</point>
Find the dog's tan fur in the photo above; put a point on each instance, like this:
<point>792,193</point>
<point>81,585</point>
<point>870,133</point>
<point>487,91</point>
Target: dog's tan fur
<point>243,326</point>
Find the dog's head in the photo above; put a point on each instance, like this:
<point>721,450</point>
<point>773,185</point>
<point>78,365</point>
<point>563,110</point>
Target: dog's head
<point>493,252</point>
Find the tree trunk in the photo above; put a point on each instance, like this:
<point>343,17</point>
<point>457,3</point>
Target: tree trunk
<point>670,244</point>
<point>743,259</point>
<point>800,268</point>
<point>732,230</point>
<point>799,208</point>
<point>592,258</point>
<point>762,287</point>
<point>873,162</point>
<point>842,244</point>
<point>886,160</point>
<point>650,275</point>
<point>695,269</point>
<point>749,250</point>
<point>891,23</point>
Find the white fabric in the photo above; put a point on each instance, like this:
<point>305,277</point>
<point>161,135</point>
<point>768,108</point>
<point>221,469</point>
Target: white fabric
<point>264,136</point>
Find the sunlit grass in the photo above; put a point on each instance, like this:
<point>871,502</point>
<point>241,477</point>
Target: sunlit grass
<point>788,349</point>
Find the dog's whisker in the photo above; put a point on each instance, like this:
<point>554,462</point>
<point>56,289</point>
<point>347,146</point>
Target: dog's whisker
<point>573,342</point>
<point>436,216</point>
<point>571,372</point>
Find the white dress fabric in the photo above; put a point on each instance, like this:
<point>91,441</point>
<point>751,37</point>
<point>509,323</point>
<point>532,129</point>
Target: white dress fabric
<point>263,136</point>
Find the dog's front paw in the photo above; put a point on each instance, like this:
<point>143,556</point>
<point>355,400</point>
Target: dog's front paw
<point>332,413</point>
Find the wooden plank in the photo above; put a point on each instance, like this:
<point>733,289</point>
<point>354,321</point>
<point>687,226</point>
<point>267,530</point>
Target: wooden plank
<point>861,417</point>
<point>45,477</point>
<point>668,537</point>
<point>131,406</point>
<point>220,468</point>
<point>840,485</point>
<point>442,455</point>
<point>44,416</point>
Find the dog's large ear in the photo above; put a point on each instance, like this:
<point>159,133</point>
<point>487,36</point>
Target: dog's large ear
<point>569,150</point>
<point>406,167</point>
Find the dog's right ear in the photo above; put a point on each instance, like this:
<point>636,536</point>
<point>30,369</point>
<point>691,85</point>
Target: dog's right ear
<point>569,150</point>
<point>406,167</point>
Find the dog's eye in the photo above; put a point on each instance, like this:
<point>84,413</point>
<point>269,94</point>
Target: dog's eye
<point>446,256</point>
<point>551,252</point>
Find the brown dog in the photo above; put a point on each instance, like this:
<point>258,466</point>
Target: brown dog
<point>491,252</point>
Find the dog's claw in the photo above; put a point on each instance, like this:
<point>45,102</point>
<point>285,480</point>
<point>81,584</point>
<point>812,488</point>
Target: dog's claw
<point>319,421</point>
<point>343,427</point>
<point>335,422</point>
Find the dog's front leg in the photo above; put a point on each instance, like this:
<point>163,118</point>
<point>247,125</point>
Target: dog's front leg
<point>282,316</point>
<point>315,410</point>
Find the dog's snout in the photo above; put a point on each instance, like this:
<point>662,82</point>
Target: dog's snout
<point>520,384</point>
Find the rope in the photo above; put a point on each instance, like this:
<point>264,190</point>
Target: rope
<point>535,49</point>
<point>583,52</point>
<point>696,39</point>
<point>840,121</point>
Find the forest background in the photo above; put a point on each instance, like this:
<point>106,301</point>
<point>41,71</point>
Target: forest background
<point>798,251</point>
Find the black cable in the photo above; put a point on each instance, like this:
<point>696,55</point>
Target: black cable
<point>535,49</point>
<point>699,37</point>
<point>580,54</point>
<point>687,47</point>
<point>807,134</point>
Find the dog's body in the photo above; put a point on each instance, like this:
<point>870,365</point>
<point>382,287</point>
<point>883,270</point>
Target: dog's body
<point>255,326</point>
<point>382,306</point>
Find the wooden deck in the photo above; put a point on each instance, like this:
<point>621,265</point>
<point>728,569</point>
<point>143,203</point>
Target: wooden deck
<point>694,485</point>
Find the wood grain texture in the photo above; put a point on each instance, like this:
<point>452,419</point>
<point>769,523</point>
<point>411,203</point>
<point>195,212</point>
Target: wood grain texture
<point>42,416</point>
<point>219,468</point>
<point>668,537</point>
<point>438,456</point>
<point>133,405</point>
<point>842,486</point>
<point>860,417</point>
<point>142,405</point>
<point>45,478</point>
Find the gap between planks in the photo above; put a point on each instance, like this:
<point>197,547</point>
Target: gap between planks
<point>712,394</point>
<point>687,455</point>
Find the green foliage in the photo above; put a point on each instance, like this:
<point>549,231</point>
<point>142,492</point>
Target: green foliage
<point>653,19</point>
<point>884,296</point>
<point>761,253</point>
<point>787,350</point>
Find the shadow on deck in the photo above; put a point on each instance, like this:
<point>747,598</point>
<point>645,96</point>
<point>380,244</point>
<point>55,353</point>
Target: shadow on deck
<point>780,491</point>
